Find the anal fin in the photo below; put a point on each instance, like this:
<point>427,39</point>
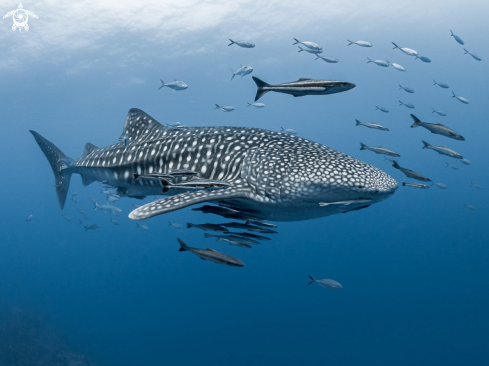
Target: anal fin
<point>186,199</point>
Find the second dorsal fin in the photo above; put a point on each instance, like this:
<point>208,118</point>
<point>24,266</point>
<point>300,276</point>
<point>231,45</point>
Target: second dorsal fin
<point>89,148</point>
<point>140,125</point>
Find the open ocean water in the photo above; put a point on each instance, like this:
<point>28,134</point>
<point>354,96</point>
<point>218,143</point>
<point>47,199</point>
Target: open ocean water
<point>414,268</point>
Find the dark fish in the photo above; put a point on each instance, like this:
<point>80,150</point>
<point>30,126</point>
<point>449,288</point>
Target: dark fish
<point>237,225</point>
<point>437,128</point>
<point>411,173</point>
<point>478,186</point>
<point>211,255</point>
<point>241,216</point>
<point>208,227</point>
<point>91,227</point>
<point>470,207</point>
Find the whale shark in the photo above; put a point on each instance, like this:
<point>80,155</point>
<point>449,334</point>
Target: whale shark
<point>281,176</point>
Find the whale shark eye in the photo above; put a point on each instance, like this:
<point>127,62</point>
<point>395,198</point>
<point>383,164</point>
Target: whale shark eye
<point>360,187</point>
<point>376,191</point>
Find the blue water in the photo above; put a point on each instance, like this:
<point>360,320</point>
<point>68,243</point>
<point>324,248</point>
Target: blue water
<point>414,268</point>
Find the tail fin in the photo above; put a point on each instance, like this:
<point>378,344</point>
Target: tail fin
<point>248,104</point>
<point>403,183</point>
<point>300,49</point>
<point>465,51</point>
<point>396,46</point>
<point>369,60</point>
<point>169,222</point>
<point>426,145</point>
<point>395,165</point>
<point>400,87</point>
<point>189,225</point>
<point>312,278</point>
<point>350,42</point>
<point>433,110</point>
<point>183,246</point>
<point>453,96</point>
<point>471,184</point>
<point>358,122</point>
<point>162,84</point>
<point>217,106</point>
<point>451,32</point>
<point>260,84</point>
<point>232,42</point>
<point>234,74</point>
<point>401,103</point>
<point>435,83</point>
<point>62,173</point>
<point>363,146</point>
<point>207,235</point>
<point>296,41</point>
<point>416,123</point>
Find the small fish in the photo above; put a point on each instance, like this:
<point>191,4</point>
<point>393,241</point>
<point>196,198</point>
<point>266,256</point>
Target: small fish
<point>440,185</point>
<point>125,139</point>
<point>423,58</point>
<point>208,227</point>
<point>235,242</point>
<point>472,184</point>
<point>360,43</point>
<point>379,62</point>
<point>474,56</point>
<point>454,167</point>
<point>465,161</point>
<point>81,211</point>
<point>327,283</point>
<point>439,112</point>
<point>175,85</point>
<point>309,50</point>
<point>242,71</point>
<point>144,227</point>
<point>215,210</point>
<point>382,109</point>
<point>244,44</point>
<point>211,255</point>
<point>257,105</point>
<point>175,124</point>
<point>409,105</point>
<point>310,45</point>
<point>397,66</point>
<point>85,217</point>
<point>75,201</point>
<point>443,150</point>
<point>437,128</point>
<point>113,199</point>
<point>174,224</point>
<point>263,224</point>
<point>107,208</point>
<point>379,150</point>
<point>84,224</point>
<point>407,51</point>
<point>252,236</point>
<point>409,90</point>
<point>461,99</point>
<point>237,225</point>
<point>441,85</point>
<point>415,185</point>
<point>115,222</point>
<point>388,159</point>
<point>289,131</point>
<point>29,218</point>
<point>371,125</point>
<point>470,207</point>
<point>411,173</point>
<point>457,38</point>
<point>226,108</point>
<point>344,203</point>
<point>91,227</point>
<point>67,218</point>
<point>73,194</point>
<point>330,60</point>
<point>233,237</point>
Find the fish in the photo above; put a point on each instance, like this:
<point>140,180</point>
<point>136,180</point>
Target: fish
<point>371,125</point>
<point>409,90</point>
<point>107,208</point>
<point>81,211</point>
<point>423,58</point>
<point>66,217</point>
<point>437,128</point>
<point>84,224</point>
<point>175,225</point>
<point>211,255</point>
<point>441,85</point>
<point>407,51</point>
<point>388,159</point>
<point>360,43</point>
<point>242,71</point>
<point>382,109</point>
<point>379,62</point>
<point>330,60</point>
<point>263,224</point>
<point>226,108</point>
<point>379,150</point>
<point>326,283</point>
<point>461,99</point>
<point>215,210</point>
<point>457,38</point>
<point>85,217</point>
<point>443,114</point>
<point>249,227</point>
<point>344,203</point>
<point>175,85</point>
<point>29,218</point>
<point>235,242</point>
<point>115,222</point>
<point>236,207</point>
<point>252,236</point>
<point>303,87</point>
<point>478,186</point>
<point>310,45</point>
<point>409,105</point>
<point>257,105</point>
<point>470,207</point>
<point>397,66</point>
<point>112,199</point>
<point>415,185</point>
<point>208,227</point>
<point>443,150</point>
<point>465,161</point>
<point>91,227</point>
<point>411,173</point>
<point>289,131</point>
<point>284,177</point>
<point>232,237</point>
<point>309,50</point>
<point>241,216</point>
<point>125,139</point>
<point>454,167</point>
<point>244,44</point>
<point>474,55</point>
<point>144,227</point>
<point>440,185</point>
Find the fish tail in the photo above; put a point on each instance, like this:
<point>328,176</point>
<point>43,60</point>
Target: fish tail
<point>162,84</point>
<point>300,49</point>
<point>234,74</point>
<point>189,225</point>
<point>416,123</point>
<point>453,96</point>
<point>296,41</point>
<point>434,82</point>
<point>169,223</point>
<point>62,173</point>
<point>403,183</point>
<point>426,145</point>
<point>313,280</point>
<point>451,33</point>
<point>232,42</point>
<point>471,184</point>
<point>358,122</point>
<point>363,146</point>
<point>248,104</point>
<point>395,165</point>
<point>369,60</point>
<point>183,246</point>
<point>401,103</point>
<point>350,42</point>
<point>465,51</point>
<point>400,87</point>
<point>260,84</point>
<point>433,110</point>
<point>396,46</point>
<point>217,106</point>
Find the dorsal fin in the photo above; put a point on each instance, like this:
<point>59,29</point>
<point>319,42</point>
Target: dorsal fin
<point>89,148</point>
<point>139,125</point>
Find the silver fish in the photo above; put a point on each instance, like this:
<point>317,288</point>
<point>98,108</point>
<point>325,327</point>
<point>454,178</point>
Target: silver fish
<point>478,186</point>
<point>237,243</point>
<point>309,50</point>
<point>91,227</point>
<point>443,150</point>
<point>345,203</point>
<point>208,227</point>
<point>310,45</point>
<point>326,283</point>
<point>360,43</point>
<point>66,217</point>
<point>175,85</point>
<point>457,38</point>
<point>441,185</point>
<point>409,90</point>
<point>411,173</point>
<point>415,185</point>
<point>441,85</point>
<point>461,99</point>
<point>232,237</point>
<point>242,71</point>
<point>379,62</point>
<point>252,236</point>
<point>396,66</point>
<point>115,222</point>
<point>81,211</point>
<point>175,225</point>
<point>289,131</point>
<point>443,114</point>
<point>107,208</point>
<point>144,227</point>
<point>454,167</point>
<point>465,161</point>
<point>84,224</point>
<point>382,109</point>
<point>249,227</point>
<point>371,125</point>
<point>470,207</point>
<point>211,255</point>
<point>257,105</point>
<point>437,128</point>
<point>407,51</point>
<point>113,199</point>
<point>226,108</point>
<point>423,58</point>
<point>29,218</point>
<point>379,150</point>
<point>474,56</point>
<point>409,105</point>
<point>244,44</point>
<point>330,60</point>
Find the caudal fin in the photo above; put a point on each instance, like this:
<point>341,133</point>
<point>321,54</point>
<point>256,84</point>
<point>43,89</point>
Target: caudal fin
<point>296,41</point>
<point>313,280</point>
<point>232,42</point>
<point>453,96</point>
<point>189,225</point>
<point>416,123</point>
<point>162,84</point>
<point>465,51</point>
<point>395,165</point>
<point>234,74</point>
<point>260,84</point>
<point>217,106</point>
<point>369,60</point>
<point>248,104</point>
<point>363,146</point>
<point>183,246</point>
<point>426,145</point>
<point>358,122</point>
<point>62,173</point>
<point>350,42</point>
<point>396,46</point>
<point>403,183</point>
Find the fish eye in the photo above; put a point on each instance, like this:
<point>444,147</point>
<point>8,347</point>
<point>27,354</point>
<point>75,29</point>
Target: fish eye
<point>360,187</point>
<point>376,191</point>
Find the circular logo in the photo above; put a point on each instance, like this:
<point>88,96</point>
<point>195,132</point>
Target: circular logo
<point>20,18</point>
